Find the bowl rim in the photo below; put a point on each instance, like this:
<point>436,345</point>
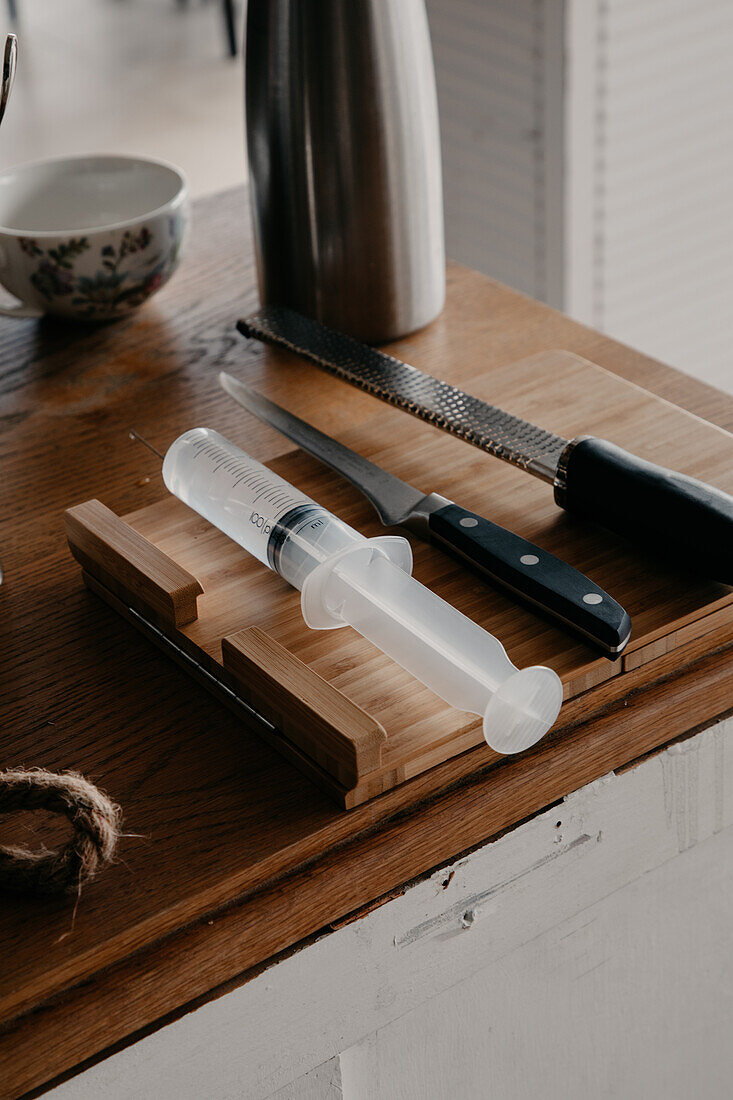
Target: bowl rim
<point>171,205</point>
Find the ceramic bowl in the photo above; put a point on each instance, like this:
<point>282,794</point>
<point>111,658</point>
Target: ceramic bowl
<point>89,237</point>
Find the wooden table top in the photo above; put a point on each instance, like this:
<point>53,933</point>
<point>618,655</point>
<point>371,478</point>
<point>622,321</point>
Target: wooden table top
<point>234,856</point>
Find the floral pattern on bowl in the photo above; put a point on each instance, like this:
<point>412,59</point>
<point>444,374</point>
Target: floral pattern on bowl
<point>89,237</point>
<point>125,273</point>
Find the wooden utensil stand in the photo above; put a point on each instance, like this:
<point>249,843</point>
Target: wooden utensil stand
<point>340,710</point>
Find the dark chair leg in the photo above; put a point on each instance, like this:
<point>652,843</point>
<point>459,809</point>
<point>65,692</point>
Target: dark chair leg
<point>231,29</point>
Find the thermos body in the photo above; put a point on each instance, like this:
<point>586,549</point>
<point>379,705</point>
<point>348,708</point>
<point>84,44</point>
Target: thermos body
<point>344,156</point>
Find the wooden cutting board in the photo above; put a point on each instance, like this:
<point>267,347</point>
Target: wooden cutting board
<point>341,710</point>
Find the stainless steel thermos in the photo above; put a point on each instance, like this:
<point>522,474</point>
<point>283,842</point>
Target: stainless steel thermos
<point>344,159</point>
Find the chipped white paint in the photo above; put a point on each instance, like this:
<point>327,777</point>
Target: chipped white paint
<point>632,999</point>
<point>322,1083</point>
<point>593,944</point>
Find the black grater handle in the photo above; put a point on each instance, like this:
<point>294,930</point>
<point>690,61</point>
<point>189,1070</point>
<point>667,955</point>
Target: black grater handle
<point>674,515</point>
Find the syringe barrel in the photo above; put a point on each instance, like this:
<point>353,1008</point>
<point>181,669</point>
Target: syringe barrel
<point>263,513</point>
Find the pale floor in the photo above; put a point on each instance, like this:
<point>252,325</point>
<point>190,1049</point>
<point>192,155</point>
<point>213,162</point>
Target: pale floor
<point>130,76</point>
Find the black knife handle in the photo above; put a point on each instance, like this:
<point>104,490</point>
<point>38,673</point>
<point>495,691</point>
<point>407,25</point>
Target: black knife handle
<point>676,516</point>
<point>530,572</point>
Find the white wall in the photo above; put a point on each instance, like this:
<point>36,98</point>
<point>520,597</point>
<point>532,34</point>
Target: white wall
<point>588,160</point>
<point>660,176</point>
<point>499,74</point>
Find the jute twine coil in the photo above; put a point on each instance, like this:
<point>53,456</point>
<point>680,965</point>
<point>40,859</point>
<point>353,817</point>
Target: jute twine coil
<point>94,818</point>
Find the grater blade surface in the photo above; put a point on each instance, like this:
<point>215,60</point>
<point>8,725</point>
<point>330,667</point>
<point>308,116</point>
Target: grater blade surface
<point>438,403</point>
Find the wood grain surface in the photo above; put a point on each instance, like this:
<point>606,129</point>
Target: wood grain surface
<point>234,855</point>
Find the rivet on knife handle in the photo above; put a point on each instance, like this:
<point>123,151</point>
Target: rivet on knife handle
<point>538,576</point>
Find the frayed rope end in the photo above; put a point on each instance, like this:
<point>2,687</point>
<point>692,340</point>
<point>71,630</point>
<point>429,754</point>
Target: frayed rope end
<point>94,818</point>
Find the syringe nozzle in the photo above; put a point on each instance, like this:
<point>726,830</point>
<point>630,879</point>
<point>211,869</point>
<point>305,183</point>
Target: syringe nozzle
<point>136,435</point>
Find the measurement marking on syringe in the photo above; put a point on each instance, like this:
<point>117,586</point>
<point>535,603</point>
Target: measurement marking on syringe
<point>258,484</point>
<point>263,491</point>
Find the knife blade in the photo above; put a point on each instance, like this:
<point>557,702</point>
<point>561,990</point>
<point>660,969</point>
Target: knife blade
<point>676,516</point>
<point>504,557</point>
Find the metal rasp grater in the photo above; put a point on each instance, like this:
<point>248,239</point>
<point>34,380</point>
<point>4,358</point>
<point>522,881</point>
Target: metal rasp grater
<point>445,406</point>
<point>674,514</point>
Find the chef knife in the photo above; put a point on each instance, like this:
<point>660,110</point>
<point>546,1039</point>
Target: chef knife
<point>530,572</point>
<point>675,515</point>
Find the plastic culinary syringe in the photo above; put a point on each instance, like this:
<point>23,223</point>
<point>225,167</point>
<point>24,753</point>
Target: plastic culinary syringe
<point>346,579</point>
